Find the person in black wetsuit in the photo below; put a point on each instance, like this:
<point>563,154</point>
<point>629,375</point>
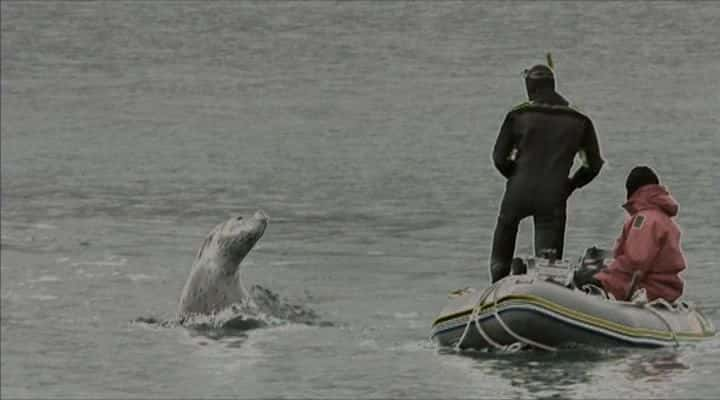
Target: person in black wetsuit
<point>534,151</point>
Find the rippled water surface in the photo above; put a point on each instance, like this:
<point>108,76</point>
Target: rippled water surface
<point>364,129</point>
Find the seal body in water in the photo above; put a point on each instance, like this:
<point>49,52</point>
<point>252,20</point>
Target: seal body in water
<point>214,282</point>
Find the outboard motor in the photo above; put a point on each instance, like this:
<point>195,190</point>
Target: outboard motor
<point>592,262</point>
<point>594,256</point>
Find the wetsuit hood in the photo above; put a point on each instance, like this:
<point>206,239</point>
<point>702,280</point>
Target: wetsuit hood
<point>653,196</point>
<point>540,85</point>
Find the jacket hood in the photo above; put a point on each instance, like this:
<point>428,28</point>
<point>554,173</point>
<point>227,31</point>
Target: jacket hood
<point>652,197</point>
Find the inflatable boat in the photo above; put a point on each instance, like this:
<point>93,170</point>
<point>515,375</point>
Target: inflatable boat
<point>541,309</point>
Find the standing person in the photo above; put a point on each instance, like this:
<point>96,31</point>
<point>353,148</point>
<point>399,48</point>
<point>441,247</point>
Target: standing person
<point>534,151</point>
<point>647,254</point>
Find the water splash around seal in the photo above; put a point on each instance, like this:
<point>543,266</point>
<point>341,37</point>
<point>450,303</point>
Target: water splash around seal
<point>264,309</point>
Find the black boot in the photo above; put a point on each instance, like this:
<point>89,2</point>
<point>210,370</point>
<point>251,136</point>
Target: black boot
<point>498,271</point>
<point>518,266</point>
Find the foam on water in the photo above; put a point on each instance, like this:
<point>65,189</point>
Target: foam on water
<point>414,346</point>
<point>44,226</point>
<point>140,277</point>
<point>46,278</point>
<point>43,297</point>
<point>111,261</point>
<point>408,315</point>
<point>265,309</point>
<point>86,274</point>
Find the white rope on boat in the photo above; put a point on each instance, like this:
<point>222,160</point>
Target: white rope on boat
<point>474,319</point>
<point>639,298</point>
<point>482,331</point>
<point>657,313</point>
<point>517,337</point>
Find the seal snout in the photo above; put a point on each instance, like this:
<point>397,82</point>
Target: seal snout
<point>260,215</point>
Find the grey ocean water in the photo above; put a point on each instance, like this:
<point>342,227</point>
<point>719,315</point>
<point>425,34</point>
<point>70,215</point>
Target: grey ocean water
<point>364,130</point>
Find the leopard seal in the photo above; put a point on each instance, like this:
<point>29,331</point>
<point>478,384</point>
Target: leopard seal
<point>214,283</point>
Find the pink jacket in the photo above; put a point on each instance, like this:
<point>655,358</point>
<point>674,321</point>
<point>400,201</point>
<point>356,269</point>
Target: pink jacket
<point>649,244</point>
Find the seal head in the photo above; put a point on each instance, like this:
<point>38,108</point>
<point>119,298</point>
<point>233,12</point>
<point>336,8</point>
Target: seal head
<point>229,243</point>
<point>214,282</point>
